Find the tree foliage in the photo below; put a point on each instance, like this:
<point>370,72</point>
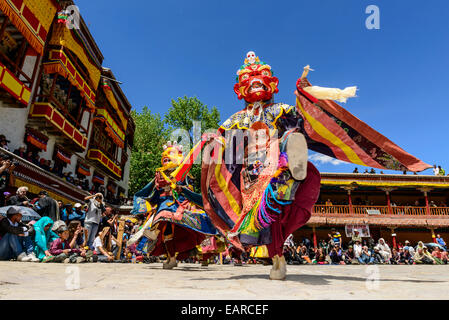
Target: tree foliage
<point>149,137</point>
<point>185,110</point>
<point>182,114</point>
<point>152,132</point>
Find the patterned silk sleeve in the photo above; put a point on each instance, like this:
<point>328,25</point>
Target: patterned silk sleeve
<point>289,120</point>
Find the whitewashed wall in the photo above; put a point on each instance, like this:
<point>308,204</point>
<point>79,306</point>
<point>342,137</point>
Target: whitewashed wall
<point>12,124</point>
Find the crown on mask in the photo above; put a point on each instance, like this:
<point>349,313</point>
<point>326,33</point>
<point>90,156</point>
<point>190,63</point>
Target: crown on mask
<point>174,145</point>
<point>252,59</point>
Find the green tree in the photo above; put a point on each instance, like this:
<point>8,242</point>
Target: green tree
<point>182,114</point>
<point>150,135</point>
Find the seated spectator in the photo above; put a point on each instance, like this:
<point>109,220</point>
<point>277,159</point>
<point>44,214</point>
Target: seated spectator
<point>421,258</point>
<point>355,170</point>
<point>320,257</point>
<point>4,142</point>
<point>384,249</point>
<point>372,171</point>
<point>105,246</point>
<point>349,256</point>
<point>441,242</point>
<point>439,256</point>
<point>323,244</point>
<point>336,255</point>
<point>366,256</point>
<point>358,248</point>
<point>21,151</point>
<point>77,235</point>
<point>405,256</point>
<point>42,239</point>
<point>287,254</point>
<point>62,251</point>
<point>304,255</point>
<point>20,199</point>
<point>395,257</point>
<point>16,237</point>
<point>409,247</point>
<point>378,258</point>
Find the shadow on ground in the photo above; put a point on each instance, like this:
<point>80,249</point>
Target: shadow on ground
<point>317,279</point>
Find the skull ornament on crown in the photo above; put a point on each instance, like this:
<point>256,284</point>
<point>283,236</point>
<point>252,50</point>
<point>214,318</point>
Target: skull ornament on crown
<point>255,81</point>
<point>172,155</point>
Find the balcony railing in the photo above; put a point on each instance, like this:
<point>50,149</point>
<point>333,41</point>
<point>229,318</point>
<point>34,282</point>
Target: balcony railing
<point>56,119</point>
<point>345,210</point>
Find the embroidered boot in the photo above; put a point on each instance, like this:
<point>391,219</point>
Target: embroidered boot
<point>278,271</point>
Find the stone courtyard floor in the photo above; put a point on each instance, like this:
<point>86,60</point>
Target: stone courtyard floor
<point>119,281</point>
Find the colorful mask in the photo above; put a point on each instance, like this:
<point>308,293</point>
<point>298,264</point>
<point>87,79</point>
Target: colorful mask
<point>255,81</point>
<point>172,155</point>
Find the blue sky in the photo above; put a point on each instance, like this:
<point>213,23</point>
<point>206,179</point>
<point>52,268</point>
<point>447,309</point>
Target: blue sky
<point>162,50</point>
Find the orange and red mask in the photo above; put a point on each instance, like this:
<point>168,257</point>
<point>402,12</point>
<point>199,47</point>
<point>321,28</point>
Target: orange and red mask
<point>255,81</point>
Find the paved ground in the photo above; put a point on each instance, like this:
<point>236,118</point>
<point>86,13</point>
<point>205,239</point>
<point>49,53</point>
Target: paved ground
<point>20,280</point>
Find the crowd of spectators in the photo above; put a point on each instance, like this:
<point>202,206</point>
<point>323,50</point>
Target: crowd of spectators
<point>437,171</point>
<point>84,232</point>
<point>364,251</point>
<point>370,203</point>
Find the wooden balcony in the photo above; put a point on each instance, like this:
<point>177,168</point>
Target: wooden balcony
<point>367,211</point>
<point>100,157</point>
<point>55,120</point>
<point>399,216</point>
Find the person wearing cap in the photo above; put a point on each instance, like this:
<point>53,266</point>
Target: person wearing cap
<point>77,213</point>
<point>16,239</point>
<point>356,236</point>
<point>47,206</point>
<point>409,248</point>
<point>61,249</point>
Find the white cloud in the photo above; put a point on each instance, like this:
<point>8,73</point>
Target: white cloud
<point>323,159</point>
